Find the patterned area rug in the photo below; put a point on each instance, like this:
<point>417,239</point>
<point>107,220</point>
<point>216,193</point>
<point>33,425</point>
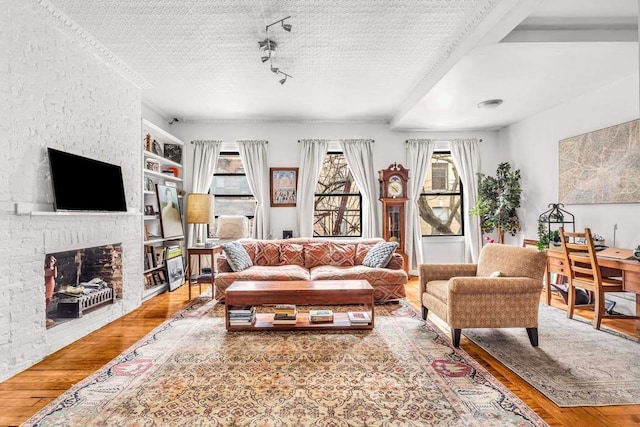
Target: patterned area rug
<point>574,364</point>
<point>190,371</point>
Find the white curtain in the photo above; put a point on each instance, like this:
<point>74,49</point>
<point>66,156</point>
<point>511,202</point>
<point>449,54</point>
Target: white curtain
<point>359,156</point>
<point>312,154</point>
<point>419,152</point>
<point>466,159</point>
<point>205,158</point>
<point>254,158</point>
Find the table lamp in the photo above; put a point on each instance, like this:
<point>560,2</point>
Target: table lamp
<point>199,212</point>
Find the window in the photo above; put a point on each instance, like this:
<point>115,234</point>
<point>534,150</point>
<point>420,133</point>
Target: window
<point>231,188</point>
<point>338,204</point>
<point>440,202</point>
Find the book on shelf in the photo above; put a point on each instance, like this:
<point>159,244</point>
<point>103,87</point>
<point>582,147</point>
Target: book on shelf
<point>359,317</point>
<point>285,316</point>
<point>246,309</point>
<point>285,309</point>
<point>318,316</point>
<point>243,321</point>
<point>173,251</point>
<point>291,321</point>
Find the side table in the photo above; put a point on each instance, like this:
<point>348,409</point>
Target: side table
<point>199,252</point>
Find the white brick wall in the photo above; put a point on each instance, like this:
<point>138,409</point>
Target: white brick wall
<point>61,96</point>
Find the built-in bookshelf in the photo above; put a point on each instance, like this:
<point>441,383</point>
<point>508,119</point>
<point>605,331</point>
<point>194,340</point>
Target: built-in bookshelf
<point>162,166</point>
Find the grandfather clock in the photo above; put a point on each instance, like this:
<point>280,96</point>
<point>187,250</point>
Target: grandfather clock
<point>393,195</point>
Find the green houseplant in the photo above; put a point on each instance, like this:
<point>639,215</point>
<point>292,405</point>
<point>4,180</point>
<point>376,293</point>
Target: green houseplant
<point>498,201</point>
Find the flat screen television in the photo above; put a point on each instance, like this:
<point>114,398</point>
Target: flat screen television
<point>84,184</point>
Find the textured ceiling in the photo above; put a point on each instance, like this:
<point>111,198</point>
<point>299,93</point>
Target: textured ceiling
<point>420,64</point>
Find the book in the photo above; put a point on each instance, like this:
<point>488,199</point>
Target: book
<point>285,308</point>
<point>359,317</point>
<point>285,321</point>
<point>318,316</point>
<point>285,316</point>
<point>241,309</point>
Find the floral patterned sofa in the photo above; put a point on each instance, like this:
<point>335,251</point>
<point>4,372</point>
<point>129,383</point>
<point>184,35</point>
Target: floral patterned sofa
<point>314,259</point>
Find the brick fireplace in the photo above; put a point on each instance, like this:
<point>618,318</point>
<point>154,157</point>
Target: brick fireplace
<point>87,279</point>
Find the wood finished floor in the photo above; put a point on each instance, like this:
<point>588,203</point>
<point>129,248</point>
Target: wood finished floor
<point>24,394</point>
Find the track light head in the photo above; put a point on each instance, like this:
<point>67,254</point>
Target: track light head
<point>283,80</point>
<point>265,58</point>
<point>287,27</point>
<point>275,69</point>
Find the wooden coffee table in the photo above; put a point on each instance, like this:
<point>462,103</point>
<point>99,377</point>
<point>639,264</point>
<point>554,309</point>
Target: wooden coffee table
<point>320,292</point>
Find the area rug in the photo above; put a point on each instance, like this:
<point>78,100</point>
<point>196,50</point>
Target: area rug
<point>574,364</point>
<point>190,371</point>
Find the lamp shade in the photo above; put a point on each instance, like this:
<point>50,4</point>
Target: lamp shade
<point>199,208</point>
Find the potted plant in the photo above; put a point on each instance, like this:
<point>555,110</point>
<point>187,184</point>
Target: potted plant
<point>498,200</point>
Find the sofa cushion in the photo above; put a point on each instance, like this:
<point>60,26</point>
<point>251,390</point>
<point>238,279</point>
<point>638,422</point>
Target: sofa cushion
<point>237,256</point>
<point>262,273</point>
<point>375,276</point>
<point>251,246</point>
<point>267,253</point>
<point>342,254</point>
<point>379,255</point>
<point>316,253</point>
<point>291,253</point>
<point>362,250</point>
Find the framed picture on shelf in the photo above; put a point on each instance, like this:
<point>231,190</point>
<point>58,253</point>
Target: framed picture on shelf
<point>170,218</point>
<point>173,152</point>
<point>175,272</point>
<point>148,184</point>
<point>148,210</point>
<point>156,148</point>
<point>283,184</point>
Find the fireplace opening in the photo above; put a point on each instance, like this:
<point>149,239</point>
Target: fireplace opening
<point>80,281</point>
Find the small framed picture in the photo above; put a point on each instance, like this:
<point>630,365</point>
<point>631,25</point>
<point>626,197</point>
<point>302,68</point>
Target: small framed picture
<point>175,272</point>
<point>148,210</point>
<point>156,148</point>
<point>148,184</point>
<point>284,186</point>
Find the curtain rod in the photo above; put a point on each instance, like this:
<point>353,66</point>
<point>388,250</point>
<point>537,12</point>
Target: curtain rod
<point>228,142</point>
<point>441,140</point>
<point>372,140</point>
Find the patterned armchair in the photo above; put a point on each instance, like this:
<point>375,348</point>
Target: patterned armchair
<point>501,291</point>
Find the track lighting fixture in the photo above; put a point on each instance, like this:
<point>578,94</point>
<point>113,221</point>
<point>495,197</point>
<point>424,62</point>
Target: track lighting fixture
<point>282,81</point>
<point>269,46</point>
<point>286,27</point>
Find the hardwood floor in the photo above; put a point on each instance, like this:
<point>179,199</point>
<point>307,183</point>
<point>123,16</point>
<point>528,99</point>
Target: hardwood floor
<point>24,394</point>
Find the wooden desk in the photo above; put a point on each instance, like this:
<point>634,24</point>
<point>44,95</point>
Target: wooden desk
<point>199,252</point>
<point>629,270</point>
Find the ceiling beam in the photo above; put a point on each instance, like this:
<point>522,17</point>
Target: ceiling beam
<point>504,17</point>
<point>570,36</point>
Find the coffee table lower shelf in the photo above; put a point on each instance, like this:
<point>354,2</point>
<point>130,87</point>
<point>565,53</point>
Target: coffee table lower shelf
<point>309,293</point>
<point>265,321</point>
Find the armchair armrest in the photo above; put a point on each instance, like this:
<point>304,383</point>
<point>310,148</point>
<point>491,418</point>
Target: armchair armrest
<point>429,272</point>
<point>497,285</point>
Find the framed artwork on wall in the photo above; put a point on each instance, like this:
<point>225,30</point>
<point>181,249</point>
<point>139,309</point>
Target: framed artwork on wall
<point>170,218</point>
<point>283,184</point>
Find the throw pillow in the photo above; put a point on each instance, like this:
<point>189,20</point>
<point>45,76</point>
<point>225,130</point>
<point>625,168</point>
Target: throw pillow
<point>362,250</point>
<point>291,254</point>
<point>342,254</point>
<point>316,254</point>
<point>267,253</point>
<point>237,256</point>
<point>380,255</point>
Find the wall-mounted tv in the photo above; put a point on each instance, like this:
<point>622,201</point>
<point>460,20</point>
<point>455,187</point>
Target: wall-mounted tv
<point>83,184</point>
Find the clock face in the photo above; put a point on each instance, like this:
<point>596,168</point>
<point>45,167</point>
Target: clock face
<point>394,188</point>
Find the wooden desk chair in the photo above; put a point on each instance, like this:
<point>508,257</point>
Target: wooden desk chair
<point>584,272</point>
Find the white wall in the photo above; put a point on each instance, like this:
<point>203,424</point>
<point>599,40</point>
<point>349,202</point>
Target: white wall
<point>283,151</point>
<point>533,148</point>
<point>57,94</point>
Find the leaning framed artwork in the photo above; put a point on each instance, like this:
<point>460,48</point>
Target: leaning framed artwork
<point>175,272</point>
<point>283,184</point>
<point>169,210</point>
